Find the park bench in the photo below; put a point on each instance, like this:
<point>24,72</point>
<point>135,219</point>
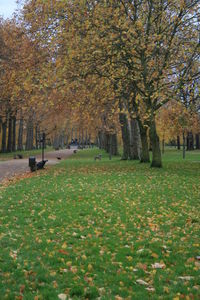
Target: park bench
<point>18,156</point>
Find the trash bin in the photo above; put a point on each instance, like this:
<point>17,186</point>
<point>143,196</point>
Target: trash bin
<point>32,163</point>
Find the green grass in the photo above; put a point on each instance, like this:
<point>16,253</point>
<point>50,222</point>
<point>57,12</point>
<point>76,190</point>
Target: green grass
<point>25,153</point>
<point>92,229</point>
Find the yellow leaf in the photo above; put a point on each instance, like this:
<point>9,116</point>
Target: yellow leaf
<point>90,267</point>
<point>64,245</point>
<point>154,255</point>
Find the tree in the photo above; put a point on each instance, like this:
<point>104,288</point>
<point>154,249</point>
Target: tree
<point>142,41</point>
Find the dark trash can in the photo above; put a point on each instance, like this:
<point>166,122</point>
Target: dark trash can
<point>32,163</point>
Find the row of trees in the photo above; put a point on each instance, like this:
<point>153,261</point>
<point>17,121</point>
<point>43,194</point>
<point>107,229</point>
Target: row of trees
<point>110,66</point>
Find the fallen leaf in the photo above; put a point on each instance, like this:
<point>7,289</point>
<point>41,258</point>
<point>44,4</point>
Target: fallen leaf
<point>62,296</point>
<point>185,277</point>
<point>197,264</point>
<point>63,252</point>
<point>154,255</point>
<point>22,288</point>
<point>158,266</point>
<point>118,298</point>
<point>142,282</point>
<point>142,266</point>
<point>64,245</point>
<point>166,289</point>
<point>150,289</point>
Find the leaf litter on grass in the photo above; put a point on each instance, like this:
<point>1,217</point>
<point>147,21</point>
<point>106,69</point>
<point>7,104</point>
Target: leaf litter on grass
<point>101,233</point>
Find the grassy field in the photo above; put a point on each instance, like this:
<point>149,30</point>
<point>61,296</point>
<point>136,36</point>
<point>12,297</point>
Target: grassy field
<point>27,153</point>
<point>103,230</point>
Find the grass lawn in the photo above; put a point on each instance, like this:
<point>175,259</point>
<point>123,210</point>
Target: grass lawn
<point>27,153</point>
<point>103,230</point>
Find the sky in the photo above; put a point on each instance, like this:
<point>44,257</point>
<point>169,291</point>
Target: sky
<point>7,8</point>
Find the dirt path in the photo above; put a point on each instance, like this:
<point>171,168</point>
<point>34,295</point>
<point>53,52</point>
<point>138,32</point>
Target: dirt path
<point>10,168</point>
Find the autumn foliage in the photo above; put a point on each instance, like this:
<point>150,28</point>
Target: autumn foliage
<point>99,68</point>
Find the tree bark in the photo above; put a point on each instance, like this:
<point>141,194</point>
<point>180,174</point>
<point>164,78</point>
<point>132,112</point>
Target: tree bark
<point>61,140</point>
<point>178,142</point>
<point>163,145</point>
<point>144,156</point>
<point>190,141</point>
<point>125,136</point>
<point>9,141</point>
<point>135,140</point>
<point>56,143</point>
<point>107,142</point>
<point>114,144</point>
<point>101,139</point>
<point>20,135</point>
<point>183,145</point>
<point>197,141</point>
<point>14,133</point>
<point>110,146</point>
<point>36,137</point>
<point>82,138</point>
<point>29,134</point>
<point>156,153</point>
<point>4,135</point>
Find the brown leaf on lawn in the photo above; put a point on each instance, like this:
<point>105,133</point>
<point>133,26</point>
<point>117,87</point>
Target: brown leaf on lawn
<point>154,255</point>
<point>63,252</point>
<point>22,288</point>
<point>118,298</point>
<point>142,266</point>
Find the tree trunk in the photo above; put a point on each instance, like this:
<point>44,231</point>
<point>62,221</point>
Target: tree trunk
<point>163,145</point>
<point>114,144</point>
<point>156,153</point>
<point>125,136</point>
<point>20,135</point>
<point>135,140</point>
<point>183,145</point>
<point>197,141</point>
<point>9,141</point>
<point>82,139</point>
<point>56,143</point>
<point>178,142</point>
<point>101,139</point>
<point>14,133</point>
<point>29,134</point>
<point>110,146</point>
<point>36,137</point>
<point>144,153</point>
<point>190,141</point>
<point>107,142</point>
<point>86,139</point>
<point>72,134</point>
<point>4,135</point>
<point>61,141</point>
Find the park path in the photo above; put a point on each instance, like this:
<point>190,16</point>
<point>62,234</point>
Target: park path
<point>11,168</point>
